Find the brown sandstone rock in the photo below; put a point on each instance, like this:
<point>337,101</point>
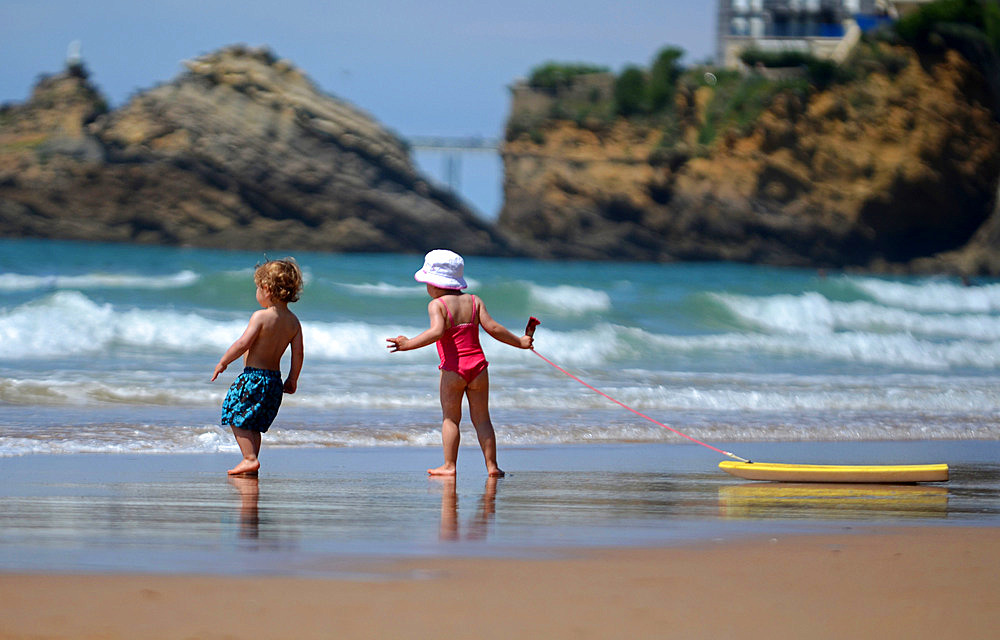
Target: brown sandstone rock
<point>241,151</point>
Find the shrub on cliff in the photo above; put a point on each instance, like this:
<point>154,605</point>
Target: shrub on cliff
<point>737,102</point>
<point>663,78</point>
<point>874,55</point>
<point>783,58</point>
<point>640,92</point>
<point>630,92</point>
<point>552,76</point>
<point>821,73</point>
<point>920,27</point>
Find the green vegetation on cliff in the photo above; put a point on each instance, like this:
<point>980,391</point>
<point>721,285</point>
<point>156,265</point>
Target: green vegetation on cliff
<point>978,19</point>
<point>662,95</point>
<point>552,76</point>
<point>889,159</point>
<point>639,92</point>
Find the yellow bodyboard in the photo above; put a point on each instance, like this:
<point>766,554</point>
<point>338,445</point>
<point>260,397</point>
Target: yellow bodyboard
<point>867,473</point>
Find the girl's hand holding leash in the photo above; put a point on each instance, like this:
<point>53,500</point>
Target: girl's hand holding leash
<point>529,332</point>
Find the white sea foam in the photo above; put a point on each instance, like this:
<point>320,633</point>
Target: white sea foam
<point>68,323</point>
<point>895,350</point>
<point>126,438</point>
<point>137,388</point>
<point>811,313</point>
<point>933,295</point>
<point>568,300</point>
<point>19,282</point>
<point>386,290</point>
<point>63,323</point>
<point>335,389</point>
<point>763,397</point>
<point>120,438</point>
<point>153,439</point>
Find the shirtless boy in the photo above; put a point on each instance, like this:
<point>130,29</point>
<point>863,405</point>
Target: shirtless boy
<point>253,400</point>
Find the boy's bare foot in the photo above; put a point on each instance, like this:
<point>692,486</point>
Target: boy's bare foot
<point>496,473</point>
<point>443,470</point>
<point>245,468</point>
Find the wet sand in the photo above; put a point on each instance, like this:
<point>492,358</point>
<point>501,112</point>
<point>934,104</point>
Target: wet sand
<point>874,583</point>
<point>594,541</point>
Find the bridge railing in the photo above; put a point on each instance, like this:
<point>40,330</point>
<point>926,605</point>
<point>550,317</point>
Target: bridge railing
<point>454,143</point>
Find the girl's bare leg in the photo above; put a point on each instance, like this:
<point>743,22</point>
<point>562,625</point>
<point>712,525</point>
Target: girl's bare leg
<point>249,443</point>
<point>478,392</point>
<point>452,390</point>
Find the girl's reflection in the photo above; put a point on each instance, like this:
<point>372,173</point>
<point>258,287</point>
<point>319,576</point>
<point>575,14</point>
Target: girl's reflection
<point>478,526</point>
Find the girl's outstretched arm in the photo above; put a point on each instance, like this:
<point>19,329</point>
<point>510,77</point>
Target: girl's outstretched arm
<point>430,336</point>
<point>502,333</point>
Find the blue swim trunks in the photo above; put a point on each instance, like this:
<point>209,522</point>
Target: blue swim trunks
<point>253,400</point>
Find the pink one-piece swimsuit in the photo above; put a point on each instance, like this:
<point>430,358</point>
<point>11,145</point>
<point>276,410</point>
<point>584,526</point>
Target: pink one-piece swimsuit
<point>459,347</point>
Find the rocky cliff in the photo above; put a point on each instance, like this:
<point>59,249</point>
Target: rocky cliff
<point>240,151</point>
<point>895,170</point>
<point>892,171</point>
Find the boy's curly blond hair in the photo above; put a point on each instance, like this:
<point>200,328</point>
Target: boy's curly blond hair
<point>282,278</point>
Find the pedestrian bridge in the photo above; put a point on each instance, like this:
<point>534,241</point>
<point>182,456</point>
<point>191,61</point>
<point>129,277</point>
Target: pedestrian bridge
<point>469,166</point>
<point>454,143</point>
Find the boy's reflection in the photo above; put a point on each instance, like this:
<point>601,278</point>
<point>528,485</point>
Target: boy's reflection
<point>478,526</point>
<point>249,490</point>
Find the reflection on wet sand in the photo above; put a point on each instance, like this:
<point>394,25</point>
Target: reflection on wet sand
<point>249,517</point>
<point>477,527</point>
<point>789,500</point>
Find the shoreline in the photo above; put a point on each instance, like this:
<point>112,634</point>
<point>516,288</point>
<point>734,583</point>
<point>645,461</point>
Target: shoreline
<point>862,582</point>
<point>311,511</point>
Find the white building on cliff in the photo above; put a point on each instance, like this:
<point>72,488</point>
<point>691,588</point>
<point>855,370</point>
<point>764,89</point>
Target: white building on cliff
<point>825,28</point>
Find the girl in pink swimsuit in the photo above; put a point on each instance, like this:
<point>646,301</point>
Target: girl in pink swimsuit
<point>455,318</point>
<point>459,347</point>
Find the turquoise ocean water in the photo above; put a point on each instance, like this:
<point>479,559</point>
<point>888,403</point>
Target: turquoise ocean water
<point>109,349</point>
<point>112,458</point>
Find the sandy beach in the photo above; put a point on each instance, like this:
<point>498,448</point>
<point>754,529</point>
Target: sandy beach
<point>877,583</point>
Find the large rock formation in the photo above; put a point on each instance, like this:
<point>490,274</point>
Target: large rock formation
<point>241,151</point>
<point>889,172</point>
<point>893,171</point>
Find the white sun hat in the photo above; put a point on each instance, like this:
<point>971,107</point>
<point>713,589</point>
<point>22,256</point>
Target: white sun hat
<point>442,269</point>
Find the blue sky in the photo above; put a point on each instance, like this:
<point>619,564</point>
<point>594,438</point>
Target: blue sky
<point>420,68</point>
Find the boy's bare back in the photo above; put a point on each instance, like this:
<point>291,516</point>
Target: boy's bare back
<point>273,328</point>
<point>277,328</point>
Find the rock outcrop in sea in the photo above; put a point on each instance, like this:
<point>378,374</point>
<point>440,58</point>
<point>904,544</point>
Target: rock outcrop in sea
<point>240,151</point>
